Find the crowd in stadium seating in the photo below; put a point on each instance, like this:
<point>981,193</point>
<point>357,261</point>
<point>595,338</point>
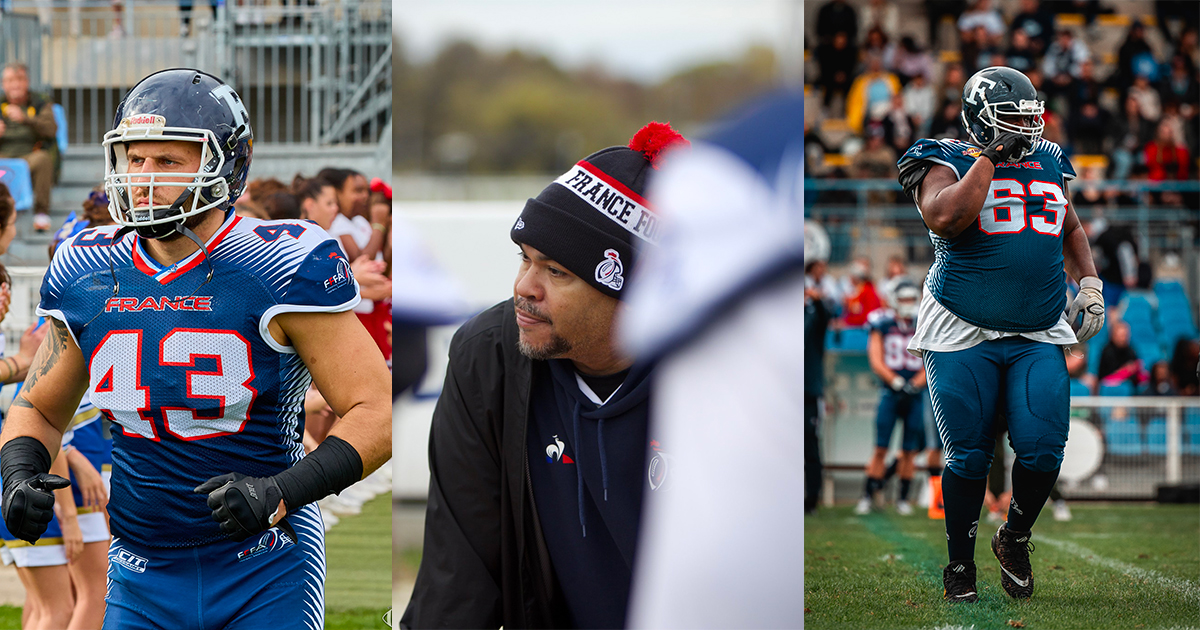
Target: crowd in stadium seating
<point>1141,111</point>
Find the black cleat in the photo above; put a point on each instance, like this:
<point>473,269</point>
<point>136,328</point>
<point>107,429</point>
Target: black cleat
<point>959,581</point>
<point>1012,550</point>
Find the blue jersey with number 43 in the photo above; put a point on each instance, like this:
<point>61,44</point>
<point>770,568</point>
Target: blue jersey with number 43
<point>188,369</point>
<point>1005,270</point>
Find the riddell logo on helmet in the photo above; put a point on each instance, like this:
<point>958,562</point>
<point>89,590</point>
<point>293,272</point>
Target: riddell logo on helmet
<point>145,120</point>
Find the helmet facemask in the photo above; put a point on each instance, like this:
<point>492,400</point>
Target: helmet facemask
<point>906,300</point>
<point>993,115</point>
<point>199,191</point>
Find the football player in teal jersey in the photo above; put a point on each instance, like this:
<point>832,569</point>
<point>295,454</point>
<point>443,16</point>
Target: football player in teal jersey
<point>994,321</point>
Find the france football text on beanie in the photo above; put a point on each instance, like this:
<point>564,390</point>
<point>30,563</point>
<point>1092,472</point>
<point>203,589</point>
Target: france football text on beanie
<point>593,219</point>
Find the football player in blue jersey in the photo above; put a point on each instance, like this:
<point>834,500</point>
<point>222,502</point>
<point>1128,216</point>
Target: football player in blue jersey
<point>197,333</point>
<point>992,326</point>
<point>903,377</point>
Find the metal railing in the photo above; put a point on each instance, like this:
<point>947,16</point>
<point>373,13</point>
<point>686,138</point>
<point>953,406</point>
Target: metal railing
<point>1118,447</point>
<point>1145,441</point>
<point>314,74</point>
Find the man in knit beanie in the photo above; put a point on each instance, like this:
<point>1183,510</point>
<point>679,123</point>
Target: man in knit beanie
<point>539,451</point>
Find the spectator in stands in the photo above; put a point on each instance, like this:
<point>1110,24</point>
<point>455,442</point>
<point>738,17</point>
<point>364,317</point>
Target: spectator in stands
<point>876,160</point>
<point>1134,55</point>
<point>1182,11</point>
<point>259,189</point>
<point>1063,62</point>
<point>935,11</point>
<point>1185,361</point>
<point>899,128</point>
<point>951,87</point>
<point>1160,382</point>
<point>1116,254</point>
<point>876,43</point>
<point>352,190</point>
<point>318,200</point>
<point>948,123</point>
<point>1166,159</point>
<point>1086,88</point>
<point>1127,136</point>
<point>27,130</point>
<point>919,103</point>
<point>1188,47</point>
<point>1181,87</point>
<point>977,48</point>
<point>1087,195</point>
<point>985,15</point>
<point>1021,54</point>
<point>1089,9</point>
<point>871,90</point>
<point>1088,128</point>
<point>358,235</point>
<point>1149,102</point>
<point>1036,24</point>
<point>837,16</point>
<point>880,14</point>
<point>861,298</point>
<point>281,205</point>
<point>185,15</point>
<point>836,61</point>
<point>1119,362</point>
<point>909,61</point>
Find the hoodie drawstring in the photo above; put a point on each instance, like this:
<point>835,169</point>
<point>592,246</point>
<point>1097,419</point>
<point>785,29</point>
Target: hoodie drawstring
<point>603,455</point>
<point>579,472</point>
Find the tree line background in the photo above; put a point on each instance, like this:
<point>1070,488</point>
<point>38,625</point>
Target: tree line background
<point>474,111</point>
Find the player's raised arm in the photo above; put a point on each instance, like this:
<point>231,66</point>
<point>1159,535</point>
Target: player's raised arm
<point>33,432</point>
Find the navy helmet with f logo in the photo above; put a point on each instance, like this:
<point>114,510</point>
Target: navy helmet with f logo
<point>1001,99</point>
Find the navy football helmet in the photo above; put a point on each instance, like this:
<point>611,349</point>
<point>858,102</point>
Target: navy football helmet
<point>1000,99</point>
<point>187,105</point>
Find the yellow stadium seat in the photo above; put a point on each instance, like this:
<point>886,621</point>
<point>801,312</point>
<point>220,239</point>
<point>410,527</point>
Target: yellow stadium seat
<point>1068,19</point>
<point>950,56</point>
<point>1113,19</point>
<point>836,159</point>
<point>1081,162</point>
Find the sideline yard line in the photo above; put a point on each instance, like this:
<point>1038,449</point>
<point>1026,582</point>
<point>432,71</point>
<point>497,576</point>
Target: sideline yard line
<point>1187,588</point>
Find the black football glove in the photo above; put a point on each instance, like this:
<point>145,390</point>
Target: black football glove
<point>1008,146</point>
<point>912,390</point>
<point>29,504</point>
<point>244,506</point>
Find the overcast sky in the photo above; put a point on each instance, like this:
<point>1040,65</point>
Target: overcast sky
<point>646,40</point>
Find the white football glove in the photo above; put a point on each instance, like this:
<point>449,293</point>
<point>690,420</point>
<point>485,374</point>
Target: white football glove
<point>897,383</point>
<point>1090,302</point>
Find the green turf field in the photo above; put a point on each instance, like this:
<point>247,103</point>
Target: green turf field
<point>358,584</point>
<point>1114,566</point>
<point>358,554</point>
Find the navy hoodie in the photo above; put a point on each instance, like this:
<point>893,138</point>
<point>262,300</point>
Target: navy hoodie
<point>587,467</point>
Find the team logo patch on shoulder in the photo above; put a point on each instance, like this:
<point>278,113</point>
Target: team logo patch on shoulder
<point>556,451</point>
<point>610,272</point>
<point>341,277</point>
